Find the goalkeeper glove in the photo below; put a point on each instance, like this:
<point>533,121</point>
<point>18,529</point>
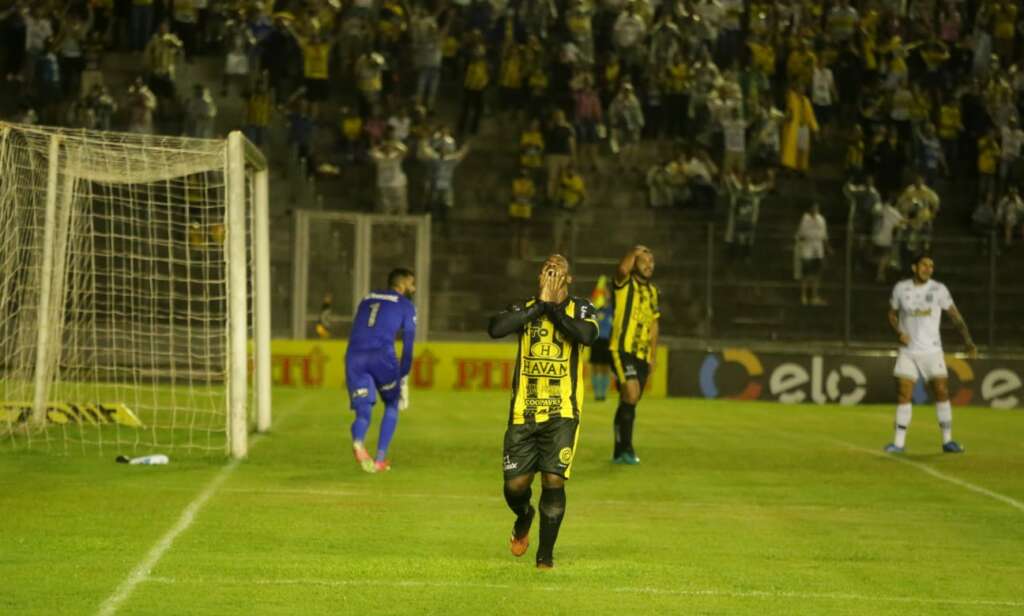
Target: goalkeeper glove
<point>403,396</point>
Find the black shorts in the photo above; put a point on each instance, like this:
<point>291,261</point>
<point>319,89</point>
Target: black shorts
<point>548,447</point>
<point>628,366</point>
<point>317,90</point>
<point>810,267</point>
<point>599,353</point>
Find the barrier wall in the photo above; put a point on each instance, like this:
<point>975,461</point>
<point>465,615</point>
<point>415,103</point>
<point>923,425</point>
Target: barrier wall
<point>439,366</point>
<point>849,378</point>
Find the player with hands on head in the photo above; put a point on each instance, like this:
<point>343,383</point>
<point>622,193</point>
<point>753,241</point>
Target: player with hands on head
<point>547,399</point>
<point>634,342</point>
<point>915,313</point>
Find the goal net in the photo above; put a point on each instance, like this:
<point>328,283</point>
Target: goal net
<point>134,282</point>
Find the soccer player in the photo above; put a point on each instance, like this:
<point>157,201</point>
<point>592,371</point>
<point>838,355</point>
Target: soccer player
<point>634,341</point>
<point>914,313</point>
<point>547,398</point>
<point>371,366</point>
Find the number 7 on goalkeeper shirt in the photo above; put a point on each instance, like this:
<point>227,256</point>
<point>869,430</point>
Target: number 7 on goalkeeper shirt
<point>372,368</point>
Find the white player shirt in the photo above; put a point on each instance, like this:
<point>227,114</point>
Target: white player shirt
<point>920,308</point>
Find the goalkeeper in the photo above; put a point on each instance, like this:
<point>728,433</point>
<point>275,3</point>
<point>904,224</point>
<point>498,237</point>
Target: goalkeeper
<point>371,365</point>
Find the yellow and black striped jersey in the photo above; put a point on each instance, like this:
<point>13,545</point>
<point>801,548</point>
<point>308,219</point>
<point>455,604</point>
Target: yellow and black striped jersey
<point>547,380</point>
<point>636,308</point>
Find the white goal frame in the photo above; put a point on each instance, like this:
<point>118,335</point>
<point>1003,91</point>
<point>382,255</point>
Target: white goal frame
<point>239,155</point>
<point>363,251</point>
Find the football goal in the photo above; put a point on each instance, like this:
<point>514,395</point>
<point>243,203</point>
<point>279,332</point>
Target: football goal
<point>134,292</point>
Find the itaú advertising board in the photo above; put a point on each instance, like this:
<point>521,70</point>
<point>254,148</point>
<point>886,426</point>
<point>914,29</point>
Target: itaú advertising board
<point>441,366</point>
<point>851,378</point>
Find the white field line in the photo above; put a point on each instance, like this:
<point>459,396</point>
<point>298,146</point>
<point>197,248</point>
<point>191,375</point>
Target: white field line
<point>629,590</point>
<point>141,571</point>
<point>581,502</point>
<point>924,468</point>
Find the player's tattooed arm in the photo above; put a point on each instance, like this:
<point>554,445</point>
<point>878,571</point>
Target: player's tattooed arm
<point>513,319</point>
<point>961,326</point>
<point>894,323</point>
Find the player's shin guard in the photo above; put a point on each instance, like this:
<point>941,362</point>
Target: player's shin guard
<point>944,413</point>
<point>624,417</point>
<point>903,414</point>
<point>362,407</point>
<point>552,509</point>
<point>519,502</point>
<point>387,429</point>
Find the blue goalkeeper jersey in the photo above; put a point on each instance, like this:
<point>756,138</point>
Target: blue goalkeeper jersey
<point>378,319</point>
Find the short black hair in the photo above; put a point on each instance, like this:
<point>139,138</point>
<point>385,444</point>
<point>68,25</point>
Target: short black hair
<point>397,274</point>
<point>915,259</point>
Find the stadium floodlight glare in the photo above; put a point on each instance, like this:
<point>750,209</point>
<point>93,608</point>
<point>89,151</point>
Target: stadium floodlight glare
<point>134,282</point>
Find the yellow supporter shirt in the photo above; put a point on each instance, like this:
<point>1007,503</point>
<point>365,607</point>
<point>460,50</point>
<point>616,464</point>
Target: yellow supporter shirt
<point>763,57</point>
<point>855,155</point>
<point>316,60</point>
<point>950,122</point>
<point>531,148</point>
<point>988,155</point>
<point>449,47</point>
<point>477,74</point>
<point>512,70</point>
<point>800,65</point>
<point>676,78</point>
<point>523,193</point>
<point>538,82</point>
<point>352,127</point>
<point>257,110</point>
<point>1005,20</point>
<point>572,190</point>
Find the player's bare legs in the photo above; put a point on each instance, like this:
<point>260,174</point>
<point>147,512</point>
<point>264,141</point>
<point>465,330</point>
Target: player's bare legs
<point>552,509</point>
<point>517,495</point>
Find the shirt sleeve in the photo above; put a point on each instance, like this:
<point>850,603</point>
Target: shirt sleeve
<point>408,338</point>
<point>894,301</point>
<point>514,318</point>
<point>945,299</point>
<point>588,313</point>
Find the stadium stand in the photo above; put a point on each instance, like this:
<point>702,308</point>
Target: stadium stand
<point>739,60</point>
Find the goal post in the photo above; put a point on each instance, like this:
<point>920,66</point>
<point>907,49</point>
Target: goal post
<point>134,285</point>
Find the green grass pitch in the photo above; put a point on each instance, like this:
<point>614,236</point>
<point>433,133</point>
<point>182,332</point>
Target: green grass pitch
<point>737,508</point>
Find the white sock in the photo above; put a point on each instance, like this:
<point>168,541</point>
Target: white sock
<point>944,411</point>
<point>903,413</point>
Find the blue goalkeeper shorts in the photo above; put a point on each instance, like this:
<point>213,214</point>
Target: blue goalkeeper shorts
<point>369,372</point>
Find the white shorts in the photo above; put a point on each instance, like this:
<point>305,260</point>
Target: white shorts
<point>929,364</point>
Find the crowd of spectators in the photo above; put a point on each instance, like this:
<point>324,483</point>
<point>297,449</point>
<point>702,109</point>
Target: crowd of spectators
<point>703,102</point>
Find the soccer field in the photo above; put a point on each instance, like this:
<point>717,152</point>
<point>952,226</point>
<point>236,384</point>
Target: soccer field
<point>737,508</point>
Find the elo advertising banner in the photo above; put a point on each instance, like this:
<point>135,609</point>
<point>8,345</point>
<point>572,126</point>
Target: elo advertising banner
<point>746,374</point>
<point>442,366</point>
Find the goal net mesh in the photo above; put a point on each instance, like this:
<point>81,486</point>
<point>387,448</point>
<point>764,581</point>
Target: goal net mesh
<point>114,281</point>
